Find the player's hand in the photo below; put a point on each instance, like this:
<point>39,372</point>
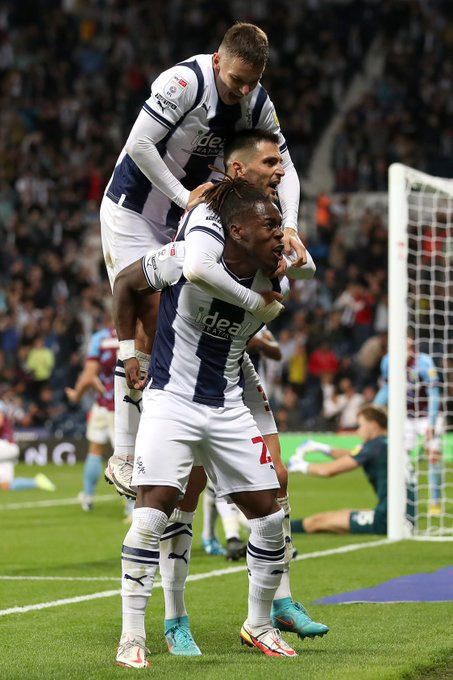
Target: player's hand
<point>282,267</point>
<point>132,372</point>
<point>311,445</point>
<point>293,245</point>
<point>271,306</point>
<point>71,395</point>
<point>196,196</point>
<point>307,446</point>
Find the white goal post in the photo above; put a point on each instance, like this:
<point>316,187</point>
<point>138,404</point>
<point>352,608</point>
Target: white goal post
<point>420,256</point>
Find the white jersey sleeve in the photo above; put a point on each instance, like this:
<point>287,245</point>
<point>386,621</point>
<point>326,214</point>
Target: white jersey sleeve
<point>173,94</point>
<point>163,267</point>
<point>304,273</point>
<point>205,240</point>
<point>289,188</point>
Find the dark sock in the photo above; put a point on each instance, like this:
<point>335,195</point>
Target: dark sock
<point>297,526</point>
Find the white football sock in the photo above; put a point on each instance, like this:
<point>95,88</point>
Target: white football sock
<point>284,589</point>
<point>209,514</point>
<point>265,563</point>
<point>140,559</point>
<point>175,547</point>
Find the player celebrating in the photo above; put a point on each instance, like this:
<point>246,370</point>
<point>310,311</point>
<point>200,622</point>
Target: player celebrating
<point>163,169</point>
<point>423,401</point>
<point>253,154</point>
<point>372,456</point>
<point>195,397</point>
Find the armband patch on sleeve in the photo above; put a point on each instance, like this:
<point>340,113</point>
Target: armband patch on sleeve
<point>356,450</point>
<point>175,87</point>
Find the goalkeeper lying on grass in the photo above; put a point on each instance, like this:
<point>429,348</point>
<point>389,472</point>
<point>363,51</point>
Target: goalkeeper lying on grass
<point>372,456</point>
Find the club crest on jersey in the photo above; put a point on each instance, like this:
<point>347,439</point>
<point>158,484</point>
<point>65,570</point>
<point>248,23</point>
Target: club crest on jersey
<point>214,324</point>
<point>175,87</point>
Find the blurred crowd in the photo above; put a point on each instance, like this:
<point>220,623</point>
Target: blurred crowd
<point>73,75</point>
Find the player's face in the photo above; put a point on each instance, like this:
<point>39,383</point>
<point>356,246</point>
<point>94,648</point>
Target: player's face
<point>234,78</point>
<point>364,428</point>
<point>263,236</point>
<point>264,168</point>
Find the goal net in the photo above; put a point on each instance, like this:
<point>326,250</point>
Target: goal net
<point>420,382</point>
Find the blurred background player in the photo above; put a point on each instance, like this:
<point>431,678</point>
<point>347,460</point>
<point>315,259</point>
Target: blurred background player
<point>423,420</point>
<point>372,456</point>
<point>163,170</point>
<point>9,455</point>
<point>262,345</point>
<point>97,375</point>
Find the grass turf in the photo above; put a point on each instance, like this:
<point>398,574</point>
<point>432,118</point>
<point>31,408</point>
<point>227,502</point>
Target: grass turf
<point>78,640</point>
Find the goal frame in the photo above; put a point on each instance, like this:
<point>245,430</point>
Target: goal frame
<point>398,217</point>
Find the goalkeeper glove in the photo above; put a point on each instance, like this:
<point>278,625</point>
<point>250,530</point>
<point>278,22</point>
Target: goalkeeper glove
<point>298,465</point>
<point>310,445</point>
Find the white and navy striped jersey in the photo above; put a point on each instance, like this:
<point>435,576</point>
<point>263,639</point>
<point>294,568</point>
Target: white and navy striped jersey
<point>200,343</point>
<point>188,123</point>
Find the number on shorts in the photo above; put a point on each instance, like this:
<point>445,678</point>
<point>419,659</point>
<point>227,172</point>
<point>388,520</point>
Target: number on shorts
<point>265,455</point>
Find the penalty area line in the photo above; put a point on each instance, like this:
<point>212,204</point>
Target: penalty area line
<point>194,577</point>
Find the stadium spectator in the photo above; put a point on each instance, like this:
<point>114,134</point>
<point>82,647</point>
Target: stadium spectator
<point>341,404</point>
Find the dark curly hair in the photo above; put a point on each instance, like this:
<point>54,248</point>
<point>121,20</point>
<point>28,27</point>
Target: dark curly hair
<point>233,196</point>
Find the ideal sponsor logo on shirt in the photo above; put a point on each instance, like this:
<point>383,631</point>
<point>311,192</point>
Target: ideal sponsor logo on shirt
<point>224,328</point>
<point>207,144</point>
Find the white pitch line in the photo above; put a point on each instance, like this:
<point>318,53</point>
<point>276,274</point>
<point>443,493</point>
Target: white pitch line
<point>194,577</point>
<point>55,502</point>
<point>60,578</point>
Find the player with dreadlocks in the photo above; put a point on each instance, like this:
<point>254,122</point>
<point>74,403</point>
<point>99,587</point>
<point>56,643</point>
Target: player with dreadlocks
<point>193,410</point>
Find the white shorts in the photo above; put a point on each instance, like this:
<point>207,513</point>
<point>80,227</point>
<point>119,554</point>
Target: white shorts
<point>256,400</point>
<point>416,427</point>
<point>126,237</point>
<point>100,425</point>
<point>6,473</point>
<point>174,434</point>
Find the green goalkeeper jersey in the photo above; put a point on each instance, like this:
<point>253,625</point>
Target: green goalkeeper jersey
<point>372,456</point>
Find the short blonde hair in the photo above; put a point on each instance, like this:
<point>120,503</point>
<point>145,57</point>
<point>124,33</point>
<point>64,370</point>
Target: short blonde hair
<point>248,43</point>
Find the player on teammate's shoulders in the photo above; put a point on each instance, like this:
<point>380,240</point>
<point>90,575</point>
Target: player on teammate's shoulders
<point>163,170</point>
<point>423,405</point>
<point>372,456</point>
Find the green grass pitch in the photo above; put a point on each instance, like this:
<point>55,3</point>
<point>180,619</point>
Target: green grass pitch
<point>77,640</point>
